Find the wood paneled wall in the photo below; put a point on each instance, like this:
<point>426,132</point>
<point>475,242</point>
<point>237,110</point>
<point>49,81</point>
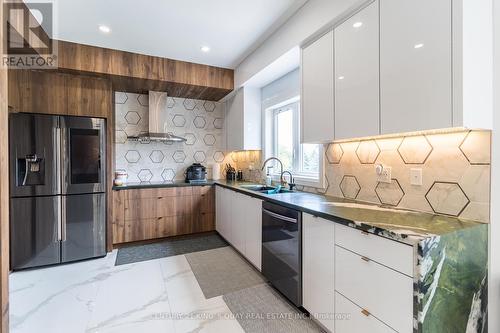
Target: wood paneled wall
<point>4,189</point>
<point>51,92</point>
<point>132,72</point>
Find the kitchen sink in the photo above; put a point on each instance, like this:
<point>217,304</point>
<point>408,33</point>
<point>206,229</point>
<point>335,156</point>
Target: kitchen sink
<point>257,187</point>
<point>264,189</point>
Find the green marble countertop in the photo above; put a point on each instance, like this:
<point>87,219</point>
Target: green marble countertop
<point>405,226</point>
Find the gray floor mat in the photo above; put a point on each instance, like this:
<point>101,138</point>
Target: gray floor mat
<point>171,247</point>
<point>261,309</point>
<point>222,271</point>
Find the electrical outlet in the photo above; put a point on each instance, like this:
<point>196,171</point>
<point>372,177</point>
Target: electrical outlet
<point>416,177</point>
<point>384,173</point>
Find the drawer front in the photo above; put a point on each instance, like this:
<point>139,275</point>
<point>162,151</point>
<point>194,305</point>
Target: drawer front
<point>206,222</point>
<point>146,208</point>
<point>390,253</point>
<point>158,192</point>
<point>351,319</point>
<point>385,293</point>
<point>205,199</point>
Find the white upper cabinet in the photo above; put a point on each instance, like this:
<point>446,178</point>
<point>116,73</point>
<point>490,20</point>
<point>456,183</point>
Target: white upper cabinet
<point>317,111</point>
<point>415,65</point>
<point>243,120</point>
<point>357,75</point>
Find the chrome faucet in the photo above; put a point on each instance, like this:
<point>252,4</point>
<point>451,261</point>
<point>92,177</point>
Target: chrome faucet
<point>281,167</point>
<point>291,184</point>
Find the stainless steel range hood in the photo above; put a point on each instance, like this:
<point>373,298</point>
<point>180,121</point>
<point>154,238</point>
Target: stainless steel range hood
<point>158,127</point>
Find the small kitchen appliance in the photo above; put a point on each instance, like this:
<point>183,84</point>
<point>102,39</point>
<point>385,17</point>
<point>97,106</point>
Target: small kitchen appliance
<point>196,173</point>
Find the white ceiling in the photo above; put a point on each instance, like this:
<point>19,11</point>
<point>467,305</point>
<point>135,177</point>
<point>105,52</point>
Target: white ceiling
<point>175,29</point>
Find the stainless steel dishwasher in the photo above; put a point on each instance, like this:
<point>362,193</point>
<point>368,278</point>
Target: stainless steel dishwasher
<point>282,250</point>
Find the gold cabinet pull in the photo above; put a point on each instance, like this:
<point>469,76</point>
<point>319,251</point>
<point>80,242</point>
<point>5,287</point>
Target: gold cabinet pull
<point>366,312</point>
<point>365,258</point>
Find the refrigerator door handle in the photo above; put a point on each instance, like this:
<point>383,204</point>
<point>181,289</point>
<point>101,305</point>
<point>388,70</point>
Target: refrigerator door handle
<point>58,158</point>
<point>64,164</point>
<point>63,220</point>
<point>59,218</point>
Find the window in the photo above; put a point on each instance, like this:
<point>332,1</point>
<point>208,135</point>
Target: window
<point>303,160</point>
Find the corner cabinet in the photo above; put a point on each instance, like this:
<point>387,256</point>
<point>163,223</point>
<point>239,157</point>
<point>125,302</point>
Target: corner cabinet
<point>357,112</point>
<point>318,277</point>
<point>317,98</point>
<point>243,120</point>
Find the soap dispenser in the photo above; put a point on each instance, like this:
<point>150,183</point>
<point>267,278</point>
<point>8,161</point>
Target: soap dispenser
<point>269,179</point>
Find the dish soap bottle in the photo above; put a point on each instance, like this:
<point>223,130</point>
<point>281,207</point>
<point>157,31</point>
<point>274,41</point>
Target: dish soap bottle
<point>269,179</point>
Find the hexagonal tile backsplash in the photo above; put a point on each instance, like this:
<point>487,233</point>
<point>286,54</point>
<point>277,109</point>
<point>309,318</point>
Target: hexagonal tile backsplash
<point>455,168</point>
<point>200,122</point>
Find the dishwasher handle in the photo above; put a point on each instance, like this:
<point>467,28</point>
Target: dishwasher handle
<point>280,217</point>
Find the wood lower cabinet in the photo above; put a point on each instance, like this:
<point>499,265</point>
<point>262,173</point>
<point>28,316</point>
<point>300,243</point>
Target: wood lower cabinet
<point>144,214</point>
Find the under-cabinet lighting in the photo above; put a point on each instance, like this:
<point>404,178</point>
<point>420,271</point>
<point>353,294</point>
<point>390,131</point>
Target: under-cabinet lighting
<point>406,134</point>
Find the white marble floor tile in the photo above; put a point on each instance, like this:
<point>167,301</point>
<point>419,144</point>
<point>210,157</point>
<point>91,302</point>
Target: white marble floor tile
<point>210,315</point>
<point>49,299</point>
<point>132,294</point>
<point>95,296</point>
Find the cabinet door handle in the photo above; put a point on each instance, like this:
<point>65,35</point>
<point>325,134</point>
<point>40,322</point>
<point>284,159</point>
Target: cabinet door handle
<point>366,312</point>
<point>365,258</point>
<point>160,197</point>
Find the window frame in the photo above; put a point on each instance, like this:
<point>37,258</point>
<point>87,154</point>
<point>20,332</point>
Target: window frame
<point>301,178</point>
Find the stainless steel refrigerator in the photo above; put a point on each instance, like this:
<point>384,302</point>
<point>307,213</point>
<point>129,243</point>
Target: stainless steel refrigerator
<point>57,189</point>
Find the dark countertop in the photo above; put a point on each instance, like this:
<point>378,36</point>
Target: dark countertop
<point>405,226</point>
<point>175,183</point>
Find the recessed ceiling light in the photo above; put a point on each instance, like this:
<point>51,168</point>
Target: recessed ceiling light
<point>104,29</point>
<point>205,49</point>
<point>357,24</point>
<point>341,77</point>
<point>418,46</point>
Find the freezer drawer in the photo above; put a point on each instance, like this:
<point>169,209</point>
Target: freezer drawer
<point>83,227</point>
<point>34,232</point>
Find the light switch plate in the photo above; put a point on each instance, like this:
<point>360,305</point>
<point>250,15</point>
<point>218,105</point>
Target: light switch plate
<point>385,176</point>
<point>416,177</point>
